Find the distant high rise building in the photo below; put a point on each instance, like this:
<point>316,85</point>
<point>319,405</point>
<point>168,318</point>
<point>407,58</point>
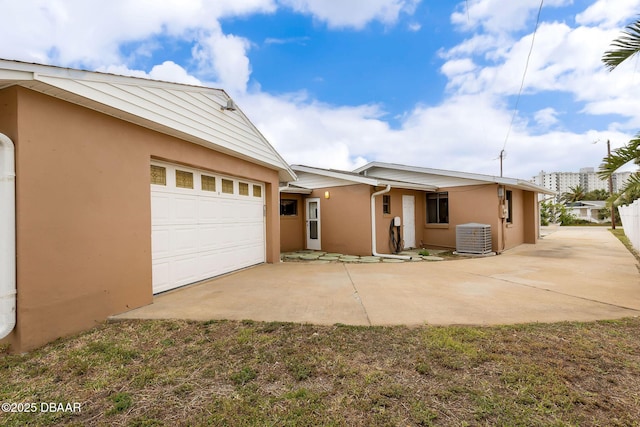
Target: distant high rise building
<point>588,178</point>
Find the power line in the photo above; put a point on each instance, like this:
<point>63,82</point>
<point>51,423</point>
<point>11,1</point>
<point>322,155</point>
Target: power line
<point>524,74</point>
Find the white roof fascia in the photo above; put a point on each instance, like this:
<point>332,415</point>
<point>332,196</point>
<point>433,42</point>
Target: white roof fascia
<point>347,178</point>
<point>294,190</point>
<point>406,185</point>
<point>188,112</point>
<point>479,178</point>
<point>335,174</point>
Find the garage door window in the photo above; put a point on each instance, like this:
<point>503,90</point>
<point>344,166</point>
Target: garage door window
<point>257,191</point>
<point>158,175</point>
<point>208,183</point>
<point>184,179</point>
<point>227,186</point>
<point>243,188</point>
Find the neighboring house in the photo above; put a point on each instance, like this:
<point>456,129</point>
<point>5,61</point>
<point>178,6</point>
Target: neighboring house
<point>124,187</point>
<point>331,210</point>
<point>587,210</point>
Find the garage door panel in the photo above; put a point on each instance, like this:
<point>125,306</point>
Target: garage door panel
<point>160,208</point>
<point>184,270</point>
<point>161,278</point>
<point>184,240</point>
<point>198,234</point>
<point>185,209</point>
<point>160,238</point>
<point>208,210</point>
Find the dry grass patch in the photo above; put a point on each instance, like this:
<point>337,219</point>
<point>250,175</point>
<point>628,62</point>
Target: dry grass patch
<point>223,373</point>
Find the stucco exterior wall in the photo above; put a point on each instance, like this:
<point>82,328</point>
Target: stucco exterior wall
<point>481,204</point>
<point>292,228</point>
<point>345,219</point>
<point>383,221</point>
<point>84,214</point>
<point>478,203</point>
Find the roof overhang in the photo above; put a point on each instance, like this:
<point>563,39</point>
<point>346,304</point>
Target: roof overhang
<point>337,177</point>
<point>293,189</point>
<point>152,104</point>
<point>447,178</point>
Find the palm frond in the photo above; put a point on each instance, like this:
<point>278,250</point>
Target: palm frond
<point>624,47</point>
<point>630,191</point>
<point>620,157</point>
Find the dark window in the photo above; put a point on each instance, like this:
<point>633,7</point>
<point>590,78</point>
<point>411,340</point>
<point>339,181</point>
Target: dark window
<point>288,207</point>
<point>438,208</point>
<point>509,206</point>
<point>386,204</point>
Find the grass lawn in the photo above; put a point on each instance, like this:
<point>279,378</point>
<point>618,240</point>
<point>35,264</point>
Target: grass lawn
<point>224,373</point>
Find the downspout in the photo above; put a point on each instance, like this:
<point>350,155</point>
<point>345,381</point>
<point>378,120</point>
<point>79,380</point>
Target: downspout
<point>8,240</point>
<point>373,227</point>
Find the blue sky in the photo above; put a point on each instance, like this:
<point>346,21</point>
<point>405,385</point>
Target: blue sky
<point>339,83</point>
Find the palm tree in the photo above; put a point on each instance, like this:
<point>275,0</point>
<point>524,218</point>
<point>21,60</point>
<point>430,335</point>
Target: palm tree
<point>624,47</point>
<point>621,49</point>
<point>575,194</point>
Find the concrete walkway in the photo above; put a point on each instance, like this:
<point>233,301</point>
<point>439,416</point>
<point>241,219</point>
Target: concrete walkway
<point>576,273</point>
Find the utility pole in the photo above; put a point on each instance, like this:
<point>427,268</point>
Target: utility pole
<point>613,208</point>
<point>501,157</point>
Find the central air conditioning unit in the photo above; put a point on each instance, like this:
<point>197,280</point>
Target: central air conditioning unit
<point>473,238</point>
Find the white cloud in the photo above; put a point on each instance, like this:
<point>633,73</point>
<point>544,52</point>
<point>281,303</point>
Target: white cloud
<point>168,71</point>
<point>498,16</point>
<point>353,13</point>
<point>609,13</point>
<point>465,131</point>
<point>546,117</point>
<point>223,57</point>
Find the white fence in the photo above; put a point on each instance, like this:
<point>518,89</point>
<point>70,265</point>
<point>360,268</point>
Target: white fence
<point>630,216</point>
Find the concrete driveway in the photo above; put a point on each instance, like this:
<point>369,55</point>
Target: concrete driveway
<point>577,273</point>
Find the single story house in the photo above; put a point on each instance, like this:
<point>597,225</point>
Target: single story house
<point>588,210</point>
<point>116,188</point>
<point>334,210</point>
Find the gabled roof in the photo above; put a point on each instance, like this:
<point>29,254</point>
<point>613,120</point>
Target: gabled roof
<point>442,178</point>
<point>312,178</point>
<point>191,113</point>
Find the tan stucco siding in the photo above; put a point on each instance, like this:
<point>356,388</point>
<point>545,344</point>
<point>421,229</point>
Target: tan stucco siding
<point>467,204</point>
<point>345,219</point>
<point>383,221</point>
<point>84,216</point>
<point>481,204</point>
<point>292,226</point>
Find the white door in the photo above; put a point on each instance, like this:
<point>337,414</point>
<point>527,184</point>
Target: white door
<point>202,225</point>
<point>409,221</point>
<point>313,223</point>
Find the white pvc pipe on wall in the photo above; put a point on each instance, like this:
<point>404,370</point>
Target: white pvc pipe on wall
<point>7,237</point>
<point>374,250</point>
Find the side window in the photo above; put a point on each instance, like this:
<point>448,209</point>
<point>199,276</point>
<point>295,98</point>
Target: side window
<point>438,208</point>
<point>509,206</point>
<point>288,207</point>
<point>386,204</point>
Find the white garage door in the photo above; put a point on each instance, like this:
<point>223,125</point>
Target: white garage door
<point>203,225</point>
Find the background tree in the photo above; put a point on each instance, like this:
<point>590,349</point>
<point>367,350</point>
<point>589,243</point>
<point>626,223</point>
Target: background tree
<point>575,194</point>
<point>621,49</point>
<point>598,194</point>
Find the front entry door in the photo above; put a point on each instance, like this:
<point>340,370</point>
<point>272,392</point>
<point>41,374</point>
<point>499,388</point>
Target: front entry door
<point>313,223</point>
<point>409,221</point>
